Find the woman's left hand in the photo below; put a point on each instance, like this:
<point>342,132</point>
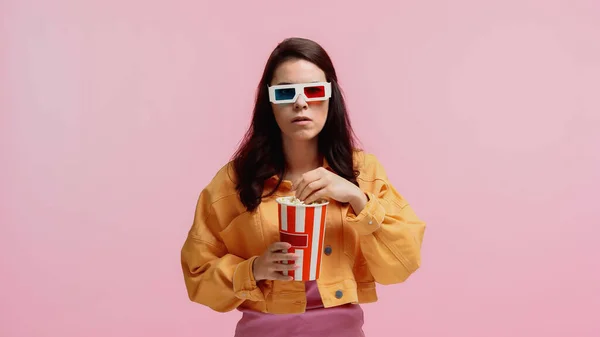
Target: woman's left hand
<point>322,183</point>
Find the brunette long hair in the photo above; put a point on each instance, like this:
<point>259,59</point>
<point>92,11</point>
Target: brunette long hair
<point>260,155</point>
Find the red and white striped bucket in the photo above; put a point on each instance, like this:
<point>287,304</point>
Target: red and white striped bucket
<point>303,226</point>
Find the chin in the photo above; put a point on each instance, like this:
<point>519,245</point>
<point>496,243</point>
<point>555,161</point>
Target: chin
<point>302,136</point>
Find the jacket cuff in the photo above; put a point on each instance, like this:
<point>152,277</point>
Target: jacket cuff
<point>369,219</point>
<point>244,284</point>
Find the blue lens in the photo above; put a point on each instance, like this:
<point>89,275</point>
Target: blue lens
<point>285,94</point>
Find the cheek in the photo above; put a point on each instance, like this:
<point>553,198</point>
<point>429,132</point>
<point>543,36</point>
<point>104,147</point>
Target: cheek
<point>279,112</point>
<point>320,112</point>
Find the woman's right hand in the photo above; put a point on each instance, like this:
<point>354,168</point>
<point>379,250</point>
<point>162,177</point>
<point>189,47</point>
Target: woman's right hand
<point>270,265</point>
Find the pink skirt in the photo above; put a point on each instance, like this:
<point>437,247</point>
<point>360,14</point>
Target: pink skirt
<point>345,320</point>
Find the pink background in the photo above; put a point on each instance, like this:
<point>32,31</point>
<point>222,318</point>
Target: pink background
<point>486,115</point>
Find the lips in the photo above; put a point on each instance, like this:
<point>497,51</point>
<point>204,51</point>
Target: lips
<point>301,119</point>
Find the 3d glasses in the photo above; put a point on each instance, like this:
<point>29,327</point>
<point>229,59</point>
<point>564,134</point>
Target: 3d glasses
<point>288,93</point>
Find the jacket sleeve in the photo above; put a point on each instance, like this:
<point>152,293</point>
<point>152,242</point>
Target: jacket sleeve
<point>214,277</point>
<point>390,233</point>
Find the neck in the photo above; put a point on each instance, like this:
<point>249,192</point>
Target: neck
<point>301,156</point>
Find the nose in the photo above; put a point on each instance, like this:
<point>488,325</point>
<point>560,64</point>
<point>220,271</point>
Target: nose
<point>300,103</point>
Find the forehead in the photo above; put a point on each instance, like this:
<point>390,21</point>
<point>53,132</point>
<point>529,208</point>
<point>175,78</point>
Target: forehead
<point>297,71</point>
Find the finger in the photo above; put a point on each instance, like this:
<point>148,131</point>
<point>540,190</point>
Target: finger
<point>284,267</point>
<point>283,257</point>
<point>299,186</point>
<point>305,179</point>
<point>320,194</point>
<point>304,184</point>
<point>297,183</point>
<point>312,188</point>
<point>280,277</point>
<point>279,246</point>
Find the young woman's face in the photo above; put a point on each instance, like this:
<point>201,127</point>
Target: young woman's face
<point>313,114</point>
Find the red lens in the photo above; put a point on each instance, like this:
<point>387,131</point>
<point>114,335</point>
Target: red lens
<point>316,91</point>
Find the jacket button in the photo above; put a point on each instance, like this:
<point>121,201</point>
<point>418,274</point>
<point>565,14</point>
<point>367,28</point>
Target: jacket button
<point>339,294</point>
<point>370,222</point>
<point>328,250</point>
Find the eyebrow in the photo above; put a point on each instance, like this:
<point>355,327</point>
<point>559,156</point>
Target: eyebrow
<point>286,83</point>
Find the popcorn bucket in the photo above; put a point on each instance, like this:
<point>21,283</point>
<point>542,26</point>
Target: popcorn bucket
<point>303,226</point>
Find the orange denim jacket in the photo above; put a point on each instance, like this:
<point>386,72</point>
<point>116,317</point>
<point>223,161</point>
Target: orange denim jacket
<point>381,244</point>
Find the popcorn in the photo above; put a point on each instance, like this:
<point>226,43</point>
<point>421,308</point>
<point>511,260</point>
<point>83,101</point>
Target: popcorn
<point>295,201</point>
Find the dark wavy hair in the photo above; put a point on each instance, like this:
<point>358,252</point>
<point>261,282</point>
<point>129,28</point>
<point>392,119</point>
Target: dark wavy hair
<point>260,155</point>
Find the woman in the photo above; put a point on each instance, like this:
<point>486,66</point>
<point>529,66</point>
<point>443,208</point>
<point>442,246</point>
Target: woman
<point>300,144</point>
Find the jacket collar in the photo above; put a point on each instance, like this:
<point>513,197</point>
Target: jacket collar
<point>275,178</point>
